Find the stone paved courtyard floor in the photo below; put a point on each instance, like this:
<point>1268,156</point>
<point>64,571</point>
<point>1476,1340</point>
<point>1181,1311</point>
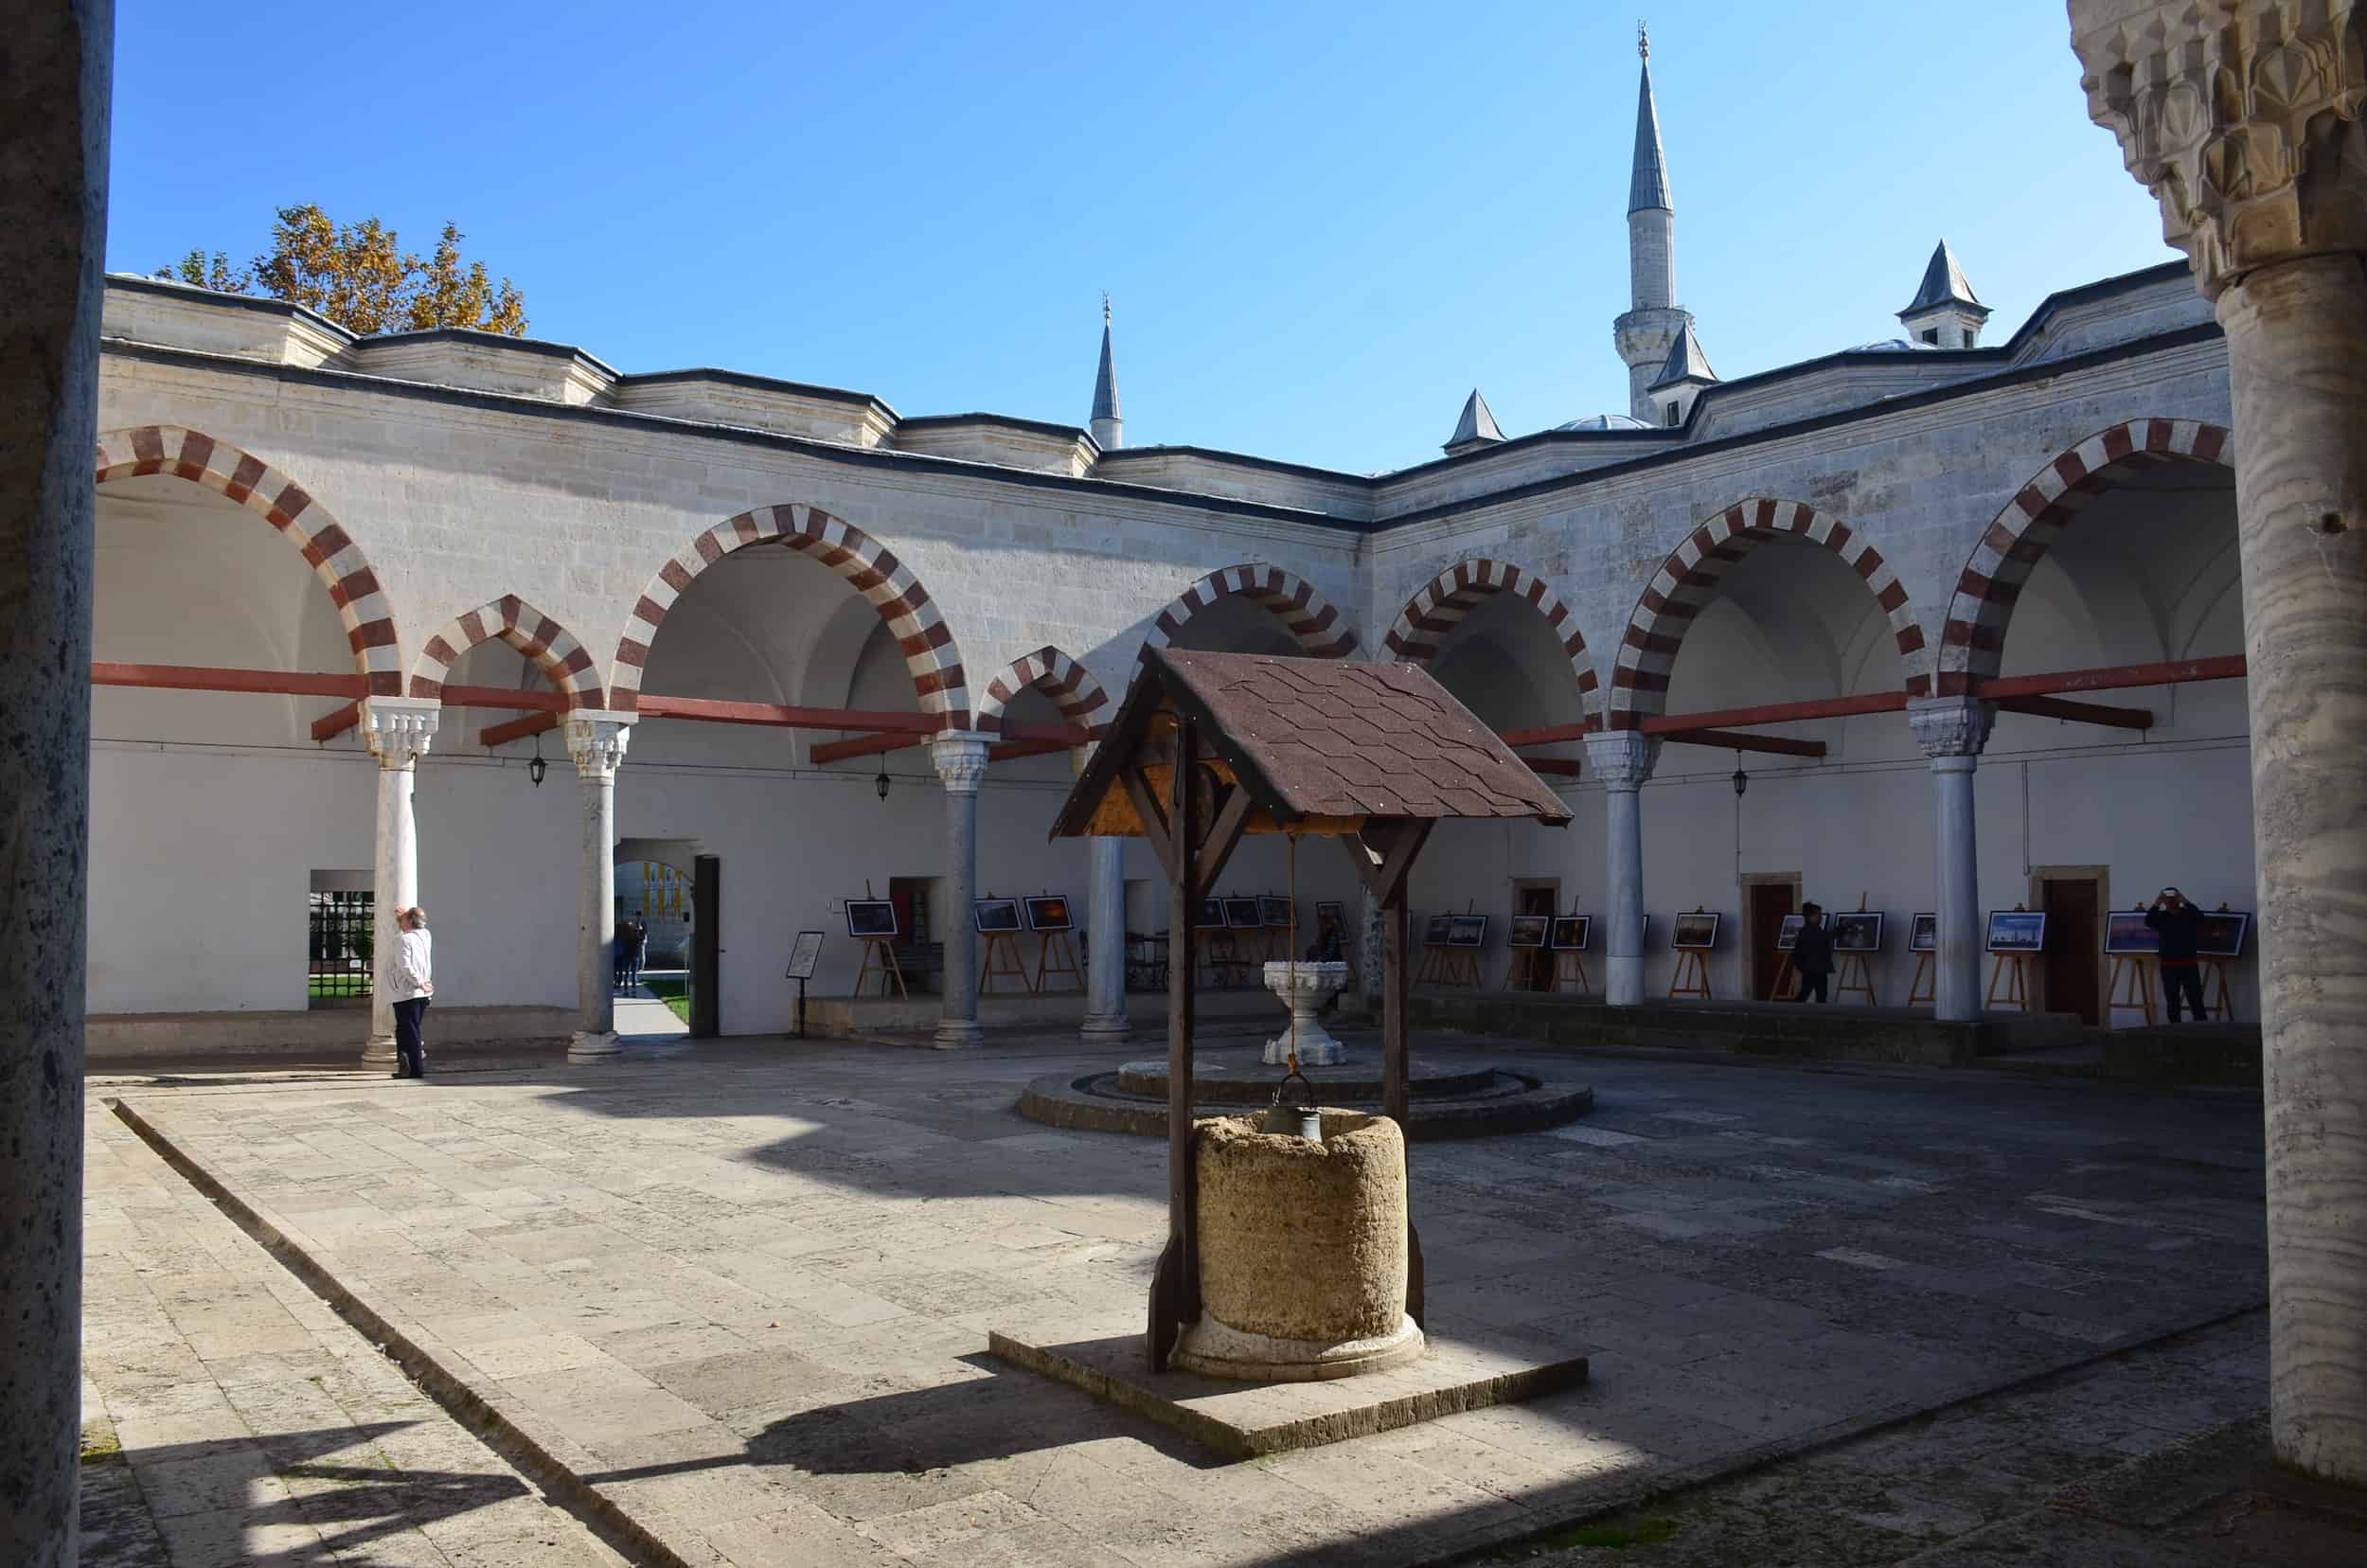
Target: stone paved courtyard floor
<point>742,1290</point>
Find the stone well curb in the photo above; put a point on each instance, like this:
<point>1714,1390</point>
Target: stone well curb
<point>1061,1099</point>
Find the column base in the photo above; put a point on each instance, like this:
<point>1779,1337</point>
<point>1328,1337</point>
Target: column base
<point>378,1051</point>
<point>1105,1029</point>
<point>960,1034</point>
<point>591,1047</point>
<point>1622,981</point>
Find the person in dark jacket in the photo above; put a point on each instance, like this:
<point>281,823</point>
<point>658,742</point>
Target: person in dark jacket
<point>1812,954</point>
<point>2179,925</point>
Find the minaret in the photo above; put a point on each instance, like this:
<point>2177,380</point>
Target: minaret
<point>1646,333</point>
<point>1109,430</point>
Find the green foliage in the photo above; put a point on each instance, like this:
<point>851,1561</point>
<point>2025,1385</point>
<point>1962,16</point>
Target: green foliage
<point>360,277</point>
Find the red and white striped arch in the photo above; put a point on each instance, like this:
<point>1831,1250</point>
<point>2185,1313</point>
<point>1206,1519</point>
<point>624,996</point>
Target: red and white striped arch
<point>1067,683</point>
<point>278,500</point>
<point>868,567</point>
<point>1432,615</point>
<point>1688,580</point>
<point>1973,641</point>
<point>548,645</point>
<point>1319,628</point>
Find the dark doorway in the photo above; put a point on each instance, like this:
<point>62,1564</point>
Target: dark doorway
<point>706,948</point>
<point>1532,968</point>
<point>2071,967</point>
<point>1770,903</point>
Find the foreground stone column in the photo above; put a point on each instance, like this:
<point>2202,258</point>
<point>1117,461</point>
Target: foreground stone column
<point>398,731</point>
<point>596,742</point>
<point>1623,760</point>
<point>2243,119</point>
<point>961,759</point>
<point>1105,925</point>
<point>1951,731</point>
<point>53,165</point>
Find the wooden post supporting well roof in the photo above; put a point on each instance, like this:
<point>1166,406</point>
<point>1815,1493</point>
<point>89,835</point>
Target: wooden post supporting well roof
<point>1209,747</point>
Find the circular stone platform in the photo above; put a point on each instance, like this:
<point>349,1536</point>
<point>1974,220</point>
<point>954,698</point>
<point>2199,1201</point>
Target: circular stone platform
<point>1449,1102</point>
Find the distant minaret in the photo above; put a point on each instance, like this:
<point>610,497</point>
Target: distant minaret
<point>1109,430</point>
<point>1646,333</point>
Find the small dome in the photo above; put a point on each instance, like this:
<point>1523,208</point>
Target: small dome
<point>1890,346</point>
<point>1606,421</point>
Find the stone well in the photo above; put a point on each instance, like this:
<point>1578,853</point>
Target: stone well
<point>1302,1251</point>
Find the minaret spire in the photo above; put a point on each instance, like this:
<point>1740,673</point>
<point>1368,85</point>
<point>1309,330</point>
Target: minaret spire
<point>1654,321</point>
<point>1109,430</point>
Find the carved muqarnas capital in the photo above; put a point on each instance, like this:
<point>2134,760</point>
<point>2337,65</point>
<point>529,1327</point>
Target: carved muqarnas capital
<point>1621,759</point>
<point>597,741</point>
<point>1950,726</point>
<point>961,759</point>
<point>2241,116</point>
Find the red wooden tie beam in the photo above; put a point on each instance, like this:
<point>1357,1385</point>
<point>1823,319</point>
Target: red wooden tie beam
<point>335,722</point>
<point>2078,713</point>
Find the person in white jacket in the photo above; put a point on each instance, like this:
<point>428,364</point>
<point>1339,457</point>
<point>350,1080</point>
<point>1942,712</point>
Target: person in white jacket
<point>410,986</point>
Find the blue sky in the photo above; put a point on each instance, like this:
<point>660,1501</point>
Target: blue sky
<point>1322,223</point>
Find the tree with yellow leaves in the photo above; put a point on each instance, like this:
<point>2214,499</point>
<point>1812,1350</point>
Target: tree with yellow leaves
<point>360,277</point>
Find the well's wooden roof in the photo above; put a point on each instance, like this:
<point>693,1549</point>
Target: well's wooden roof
<point>1319,744</point>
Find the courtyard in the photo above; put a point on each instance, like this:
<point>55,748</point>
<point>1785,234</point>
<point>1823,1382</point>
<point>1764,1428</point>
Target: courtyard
<point>734,1299</point>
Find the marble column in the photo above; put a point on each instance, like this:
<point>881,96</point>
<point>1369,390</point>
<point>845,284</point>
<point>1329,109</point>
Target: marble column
<point>53,118</point>
<point>2243,119</point>
<point>1105,925</point>
<point>961,759</point>
<point>1623,760</point>
<point>596,742</point>
<point>398,731</point>
<point>1951,731</point>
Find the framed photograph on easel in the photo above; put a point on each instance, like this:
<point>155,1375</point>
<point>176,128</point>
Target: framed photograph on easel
<point>1568,938</point>
<point>1051,919</point>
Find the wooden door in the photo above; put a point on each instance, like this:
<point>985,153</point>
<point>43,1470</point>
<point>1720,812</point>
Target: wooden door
<point>1770,903</point>
<point>707,947</point>
<point>1537,964</point>
<point>2072,966</point>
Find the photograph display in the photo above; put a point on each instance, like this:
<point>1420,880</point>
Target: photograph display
<point>2126,932</point>
<point>2017,930</point>
<point>1211,915</point>
<point>871,917</point>
<point>1859,931</point>
<point>992,914</point>
<point>1923,932</point>
<point>803,954</point>
<point>1573,932</point>
<point>1696,932</point>
<point>1332,910</point>
<point>2222,934</point>
<point>1242,914</point>
<point>1466,930</point>
<point>1788,935</point>
<point>1436,933</point>
<point>1049,912</point>
<point>1529,930</point>
<point>1273,913</point>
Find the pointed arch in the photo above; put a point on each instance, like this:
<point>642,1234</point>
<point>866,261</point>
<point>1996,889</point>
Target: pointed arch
<point>548,645</point>
<point>1688,579</point>
<point>1433,613</point>
<point>1320,629</point>
<point>1972,644</point>
<point>1067,683</point>
<point>248,481</point>
<point>868,567</point>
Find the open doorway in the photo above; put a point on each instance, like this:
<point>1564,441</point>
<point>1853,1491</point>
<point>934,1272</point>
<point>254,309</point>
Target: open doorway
<point>659,936</point>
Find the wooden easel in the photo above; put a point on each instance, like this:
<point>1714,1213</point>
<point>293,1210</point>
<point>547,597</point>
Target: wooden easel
<point>1784,980</point>
<point>2011,971</point>
<point>2218,1000</point>
<point>1854,976</point>
<point>1056,955</point>
<point>1004,946</point>
<point>1919,988</point>
<point>879,958</point>
<point>1692,972</point>
<point>2129,974</point>
<point>1570,965</point>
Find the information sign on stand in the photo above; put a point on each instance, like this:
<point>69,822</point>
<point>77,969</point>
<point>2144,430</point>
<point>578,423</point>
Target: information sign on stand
<point>803,954</point>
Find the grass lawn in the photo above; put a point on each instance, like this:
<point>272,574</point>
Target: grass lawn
<point>325,986</point>
<point>675,994</point>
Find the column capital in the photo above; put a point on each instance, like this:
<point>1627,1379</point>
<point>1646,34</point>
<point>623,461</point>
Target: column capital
<point>398,730</point>
<point>961,759</point>
<point>1950,726</point>
<point>596,740</point>
<point>2242,117</point>
<point>1621,760</point>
